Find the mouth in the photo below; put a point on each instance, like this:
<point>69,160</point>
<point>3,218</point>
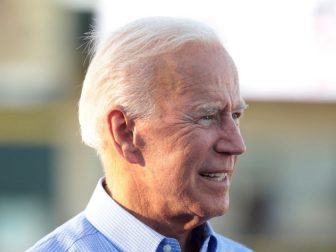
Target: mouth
<point>215,176</point>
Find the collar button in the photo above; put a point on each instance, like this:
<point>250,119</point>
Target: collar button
<point>167,248</point>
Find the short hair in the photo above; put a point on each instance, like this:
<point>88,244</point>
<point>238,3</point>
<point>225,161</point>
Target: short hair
<point>122,69</point>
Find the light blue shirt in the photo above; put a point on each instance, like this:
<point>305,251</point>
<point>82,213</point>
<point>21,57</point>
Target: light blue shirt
<point>106,226</point>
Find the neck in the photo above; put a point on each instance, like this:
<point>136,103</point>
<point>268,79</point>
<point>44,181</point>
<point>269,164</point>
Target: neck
<point>151,209</point>
<point>179,227</point>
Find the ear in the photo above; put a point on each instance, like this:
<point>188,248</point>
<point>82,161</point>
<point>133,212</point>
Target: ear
<point>121,130</point>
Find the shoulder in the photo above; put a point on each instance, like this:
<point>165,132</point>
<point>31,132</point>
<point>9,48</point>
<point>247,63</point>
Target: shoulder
<point>226,244</point>
<point>77,234</point>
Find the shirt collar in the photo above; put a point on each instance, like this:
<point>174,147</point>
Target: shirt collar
<point>127,232</point>
<point>205,236</point>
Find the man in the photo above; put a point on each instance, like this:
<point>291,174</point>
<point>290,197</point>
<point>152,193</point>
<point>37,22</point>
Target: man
<point>161,105</point>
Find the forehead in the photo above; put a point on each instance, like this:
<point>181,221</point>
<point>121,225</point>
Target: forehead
<point>197,75</point>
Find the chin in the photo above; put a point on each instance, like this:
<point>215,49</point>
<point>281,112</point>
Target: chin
<point>217,208</point>
<point>219,211</point>
<point>223,211</point>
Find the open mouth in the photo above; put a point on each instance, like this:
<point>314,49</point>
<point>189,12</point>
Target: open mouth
<point>215,176</point>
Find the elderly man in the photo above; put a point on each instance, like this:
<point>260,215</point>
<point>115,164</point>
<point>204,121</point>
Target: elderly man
<point>161,105</point>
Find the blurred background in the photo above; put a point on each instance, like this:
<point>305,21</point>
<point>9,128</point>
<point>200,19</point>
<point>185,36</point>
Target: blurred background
<point>284,193</point>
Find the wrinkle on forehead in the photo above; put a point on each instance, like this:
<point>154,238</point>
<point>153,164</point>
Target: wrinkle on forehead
<point>197,69</point>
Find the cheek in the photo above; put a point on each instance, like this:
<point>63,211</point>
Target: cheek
<point>191,152</point>
<point>178,153</point>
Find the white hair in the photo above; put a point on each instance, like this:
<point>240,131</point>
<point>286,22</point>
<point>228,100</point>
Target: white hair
<point>122,70</point>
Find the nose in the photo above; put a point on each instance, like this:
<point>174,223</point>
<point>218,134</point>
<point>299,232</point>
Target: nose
<point>230,140</point>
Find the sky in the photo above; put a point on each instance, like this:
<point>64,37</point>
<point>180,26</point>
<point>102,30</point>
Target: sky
<point>284,49</point>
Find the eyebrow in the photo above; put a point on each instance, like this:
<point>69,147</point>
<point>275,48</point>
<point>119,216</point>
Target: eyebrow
<point>208,107</point>
<point>216,106</point>
<point>242,105</point>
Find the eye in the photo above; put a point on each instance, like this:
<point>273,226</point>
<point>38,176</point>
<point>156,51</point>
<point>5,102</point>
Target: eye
<point>208,117</point>
<point>206,120</point>
<point>236,116</point>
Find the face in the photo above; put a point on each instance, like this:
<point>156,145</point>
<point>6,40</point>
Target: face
<point>190,145</point>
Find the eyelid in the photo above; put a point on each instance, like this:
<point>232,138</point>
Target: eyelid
<point>209,116</point>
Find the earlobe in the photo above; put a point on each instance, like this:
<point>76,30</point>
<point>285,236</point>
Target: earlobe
<point>121,135</point>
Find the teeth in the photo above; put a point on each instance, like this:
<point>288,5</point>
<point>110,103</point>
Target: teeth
<point>216,176</point>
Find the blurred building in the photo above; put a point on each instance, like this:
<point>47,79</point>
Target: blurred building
<point>283,193</point>
<point>41,69</point>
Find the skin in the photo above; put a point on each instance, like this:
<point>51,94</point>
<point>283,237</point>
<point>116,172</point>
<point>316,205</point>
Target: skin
<point>155,172</point>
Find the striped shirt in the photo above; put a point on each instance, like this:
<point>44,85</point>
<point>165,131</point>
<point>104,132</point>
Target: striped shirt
<point>106,226</point>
